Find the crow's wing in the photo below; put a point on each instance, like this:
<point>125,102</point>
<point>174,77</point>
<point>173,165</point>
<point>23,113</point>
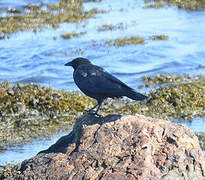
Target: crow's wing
<point>124,89</point>
<point>94,80</point>
<point>113,79</point>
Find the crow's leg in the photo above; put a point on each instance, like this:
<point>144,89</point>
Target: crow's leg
<point>92,108</point>
<point>99,104</point>
<point>98,107</point>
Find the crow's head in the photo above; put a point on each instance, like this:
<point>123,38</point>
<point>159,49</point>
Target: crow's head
<point>78,61</point>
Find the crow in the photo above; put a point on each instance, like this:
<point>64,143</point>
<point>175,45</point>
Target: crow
<point>96,83</point>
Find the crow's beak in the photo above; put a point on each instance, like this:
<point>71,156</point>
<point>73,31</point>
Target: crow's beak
<point>68,64</point>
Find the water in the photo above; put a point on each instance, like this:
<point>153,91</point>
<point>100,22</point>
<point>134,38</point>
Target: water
<point>19,153</point>
<point>36,57</point>
<point>197,124</point>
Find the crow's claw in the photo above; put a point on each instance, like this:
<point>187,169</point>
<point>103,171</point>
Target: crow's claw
<point>93,113</point>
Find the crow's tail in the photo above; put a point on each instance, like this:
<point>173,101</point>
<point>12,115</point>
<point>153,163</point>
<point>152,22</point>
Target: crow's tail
<point>132,94</point>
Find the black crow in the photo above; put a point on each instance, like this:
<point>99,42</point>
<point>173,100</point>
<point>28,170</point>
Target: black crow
<point>96,83</point>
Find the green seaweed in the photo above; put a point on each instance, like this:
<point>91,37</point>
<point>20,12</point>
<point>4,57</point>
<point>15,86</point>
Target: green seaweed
<point>29,111</point>
<point>110,27</point>
<point>160,79</point>
<point>194,5</point>
<point>155,5</point>
<point>181,98</point>
<point>159,37</point>
<point>70,35</point>
<point>126,41</point>
<point>39,17</point>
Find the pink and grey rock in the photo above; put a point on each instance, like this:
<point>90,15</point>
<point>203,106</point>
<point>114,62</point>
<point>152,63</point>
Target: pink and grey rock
<point>120,147</point>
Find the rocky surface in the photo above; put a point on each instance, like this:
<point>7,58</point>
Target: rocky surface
<point>119,147</point>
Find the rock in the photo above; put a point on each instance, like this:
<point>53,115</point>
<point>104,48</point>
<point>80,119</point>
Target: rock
<point>120,147</point>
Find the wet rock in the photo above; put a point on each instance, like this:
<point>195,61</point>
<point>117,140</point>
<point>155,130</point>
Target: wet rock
<point>119,147</point>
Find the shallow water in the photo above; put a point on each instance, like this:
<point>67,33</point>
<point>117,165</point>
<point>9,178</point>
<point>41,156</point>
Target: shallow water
<point>197,124</point>
<point>36,57</point>
<point>21,152</point>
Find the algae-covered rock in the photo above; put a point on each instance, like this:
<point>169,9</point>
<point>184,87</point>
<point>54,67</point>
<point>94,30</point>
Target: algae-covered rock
<point>159,37</point>
<point>165,79</point>
<point>155,5</point>
<point>111,27</point>
<point>29,111</point>
<point>45,16</point>
<point>183,101</point>
<point>70,35</point>
<point>178,97</point>
<point>126,41</point>
<point>194,5</point>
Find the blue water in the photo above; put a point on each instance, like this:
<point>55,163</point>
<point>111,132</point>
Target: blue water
<point>19,153</point>
<point>36,57</point>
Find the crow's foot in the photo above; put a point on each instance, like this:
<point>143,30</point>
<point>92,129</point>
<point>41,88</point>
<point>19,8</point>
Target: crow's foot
<point>93,113</point>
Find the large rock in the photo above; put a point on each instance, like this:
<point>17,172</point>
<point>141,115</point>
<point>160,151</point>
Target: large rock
<point>115,147</point>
